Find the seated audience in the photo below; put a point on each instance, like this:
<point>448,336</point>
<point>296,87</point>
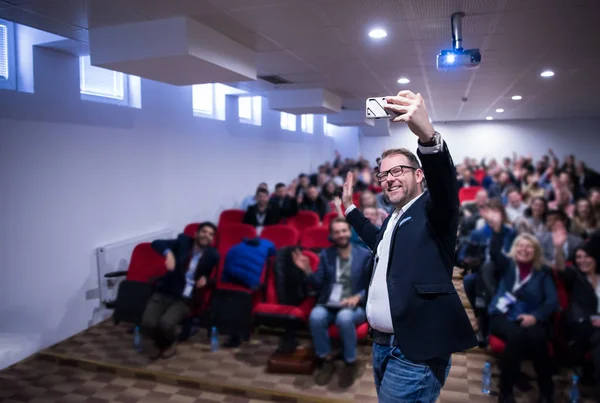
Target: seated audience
<point>284,200</point>
<point>250,200</point>
<point>313,201</point>
<point>470,214</point>
<point>584,221</point>
<point>562,200</point>
<point>587,177</point>
<point>472,255</point>
<point>384,203</point>
<point>330,190</point>
<point>531,188</point>
<point>189,262</point>
<point>467,179</point>
<point>534,218</point>
<point>557,220</point>
<point>340,282</point>
<point>515,208</point>
<point>582,320</point>
<point>367,199</point>
<point>262,213</point>
<point>521,310</point>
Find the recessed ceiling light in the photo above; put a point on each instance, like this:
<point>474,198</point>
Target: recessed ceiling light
<point>403,80</point>
<point>489,118</point>
<point>547,73</point>
<point>499,110</point>
<point>516,97</point>
<point>377,33</point>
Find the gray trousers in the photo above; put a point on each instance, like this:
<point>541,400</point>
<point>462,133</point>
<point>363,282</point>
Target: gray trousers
<point>161,317</point>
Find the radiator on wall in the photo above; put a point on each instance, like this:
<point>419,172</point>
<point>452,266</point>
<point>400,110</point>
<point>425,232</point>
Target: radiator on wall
<point>115,257</point>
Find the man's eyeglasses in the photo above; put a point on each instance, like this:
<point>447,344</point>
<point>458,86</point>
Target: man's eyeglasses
<point>396,171</point>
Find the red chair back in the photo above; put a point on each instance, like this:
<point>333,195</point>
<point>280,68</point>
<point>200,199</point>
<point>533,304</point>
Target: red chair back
<point>315,238</point>
<point>328,217</point>
<point>356,199</point>
<point>281,235</point>
<point>145,264</point>
<point>479,175</point>
<point>304,219</point>
<point>314,259</point>
<point>468,193</point>
<point>232,234</point>
<point>232,216</point>
<point>191,229</point>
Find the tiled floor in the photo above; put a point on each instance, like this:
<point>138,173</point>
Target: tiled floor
<point>43,381</point>
<point>100,365</point>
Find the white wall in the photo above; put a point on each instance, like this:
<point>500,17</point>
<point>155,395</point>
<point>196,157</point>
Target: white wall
<point>499,139</point>
<point>75,175</point>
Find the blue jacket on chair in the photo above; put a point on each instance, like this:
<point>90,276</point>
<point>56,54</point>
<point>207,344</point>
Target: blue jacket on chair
<point>244,263</point>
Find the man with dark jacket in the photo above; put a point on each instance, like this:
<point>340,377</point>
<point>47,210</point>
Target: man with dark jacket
<point>262,213</point>
<point>417,317</point>
<point>189,262</point>
<point>286,203</point>
<point>340,281</point>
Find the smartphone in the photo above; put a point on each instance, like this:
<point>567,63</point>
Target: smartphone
<point>374,109</point>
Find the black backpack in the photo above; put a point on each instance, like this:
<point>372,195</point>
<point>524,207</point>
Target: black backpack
<point>290,281</point>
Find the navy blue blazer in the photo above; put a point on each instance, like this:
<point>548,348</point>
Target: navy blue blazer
<point>173,282</point>
<point>323,279</point>
<point>427,314</point>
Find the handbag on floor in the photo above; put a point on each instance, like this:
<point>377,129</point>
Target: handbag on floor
<point>132,298</point>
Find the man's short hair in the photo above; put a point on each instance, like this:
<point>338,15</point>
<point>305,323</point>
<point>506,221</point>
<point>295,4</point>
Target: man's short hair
<point>561,215</point>
<point>412,158</point>
<point>337,220</point>
<point>594,190</point>
<point>511,190</point>
<point>279,185</point>
<point>262,190</point>
<point>207,224</point>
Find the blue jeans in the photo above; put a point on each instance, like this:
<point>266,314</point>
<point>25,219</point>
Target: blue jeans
<point>345,319</point>
<point>399,380</point>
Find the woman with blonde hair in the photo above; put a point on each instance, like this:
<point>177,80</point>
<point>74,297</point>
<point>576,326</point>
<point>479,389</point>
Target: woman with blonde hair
<point>522,308</point>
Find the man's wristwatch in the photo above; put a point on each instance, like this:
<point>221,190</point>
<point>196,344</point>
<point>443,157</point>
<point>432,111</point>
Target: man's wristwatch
<point>435,140</point>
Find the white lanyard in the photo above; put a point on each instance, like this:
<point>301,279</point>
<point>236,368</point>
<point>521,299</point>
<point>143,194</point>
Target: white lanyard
<point>518,283</point>
<point>260,218</point>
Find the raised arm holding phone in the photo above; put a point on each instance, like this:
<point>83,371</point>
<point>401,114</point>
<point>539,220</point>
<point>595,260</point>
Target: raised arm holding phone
<point>416,316</point>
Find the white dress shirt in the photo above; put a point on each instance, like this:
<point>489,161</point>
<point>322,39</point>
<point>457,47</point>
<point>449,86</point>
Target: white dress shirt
<point>378,303</point>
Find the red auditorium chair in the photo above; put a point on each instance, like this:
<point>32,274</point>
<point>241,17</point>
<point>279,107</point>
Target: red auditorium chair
<point>134,292</point>
<point>273,314</point>
<point>232,216</point>
<point>315,238</point>
<point>281,235</point>
<point>304,219</point>
<point>468,193</point>
<point>328,217</point>
<point>191,229</point>
<point>362,331</point>
<point>145,265</point>
<point>479,175</point>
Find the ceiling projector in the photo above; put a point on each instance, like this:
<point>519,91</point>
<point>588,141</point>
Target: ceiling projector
<point>458,58</point>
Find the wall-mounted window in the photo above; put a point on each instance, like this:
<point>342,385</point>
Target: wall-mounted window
<point>8,72</point>
<point>209,100</point>
<point>307,123</point>
<point>103,85</point>
<point>288,121</point>
<point>250,110</point>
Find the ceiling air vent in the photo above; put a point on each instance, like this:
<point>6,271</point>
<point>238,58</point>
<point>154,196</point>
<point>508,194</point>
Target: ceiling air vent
<point>277,80</point>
